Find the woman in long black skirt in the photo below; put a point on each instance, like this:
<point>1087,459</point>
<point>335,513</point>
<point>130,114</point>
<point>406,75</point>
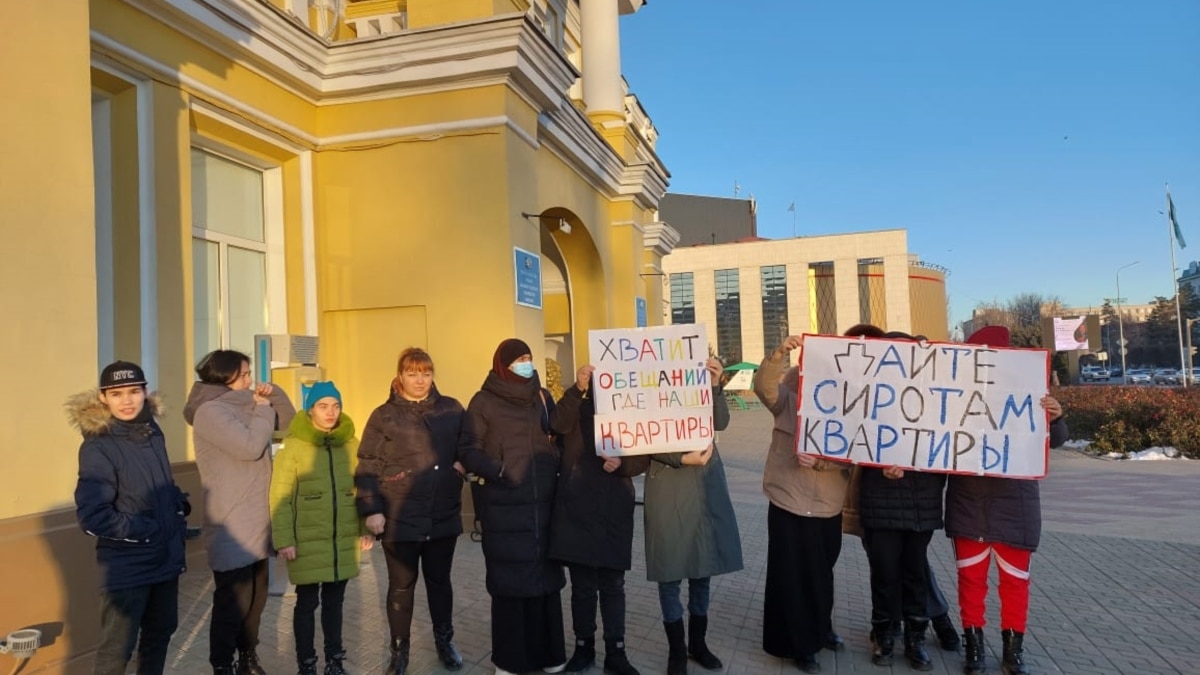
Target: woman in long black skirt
<point>804,526</point>
<point>510,419</point>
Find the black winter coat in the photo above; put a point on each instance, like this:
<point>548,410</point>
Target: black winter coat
<point>593,509</point>
<point>512,425</point>
<point>912,503</point>
<point>1003,510</point>
<point>406,467</point>
<point>127,498</point>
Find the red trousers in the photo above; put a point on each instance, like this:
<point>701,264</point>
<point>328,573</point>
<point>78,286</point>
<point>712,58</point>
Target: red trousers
<point>1013,565</point>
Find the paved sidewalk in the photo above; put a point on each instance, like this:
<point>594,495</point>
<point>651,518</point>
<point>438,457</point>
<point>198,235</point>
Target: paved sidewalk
<point>1116,585</point>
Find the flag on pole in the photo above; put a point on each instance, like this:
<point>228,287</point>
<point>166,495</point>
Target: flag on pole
<point>792,208</point>
<point>1174,223</point>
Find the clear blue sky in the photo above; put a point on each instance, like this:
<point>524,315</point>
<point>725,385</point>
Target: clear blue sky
<point>1023,144</point>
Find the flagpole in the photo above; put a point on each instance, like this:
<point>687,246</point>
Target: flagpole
<point>1179,321</point>
<point>793,221</point>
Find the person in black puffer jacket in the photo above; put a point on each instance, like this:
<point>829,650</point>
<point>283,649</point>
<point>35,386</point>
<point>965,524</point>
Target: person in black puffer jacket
<point>510,418</point>
<point>127,499</point>
<point>410,492</point>
<point>592,529</point>
<point>899,511</point>
<point>988,516</point>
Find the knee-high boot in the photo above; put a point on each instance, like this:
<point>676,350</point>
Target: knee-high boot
<point>677,657</point>
<point>698,647</point>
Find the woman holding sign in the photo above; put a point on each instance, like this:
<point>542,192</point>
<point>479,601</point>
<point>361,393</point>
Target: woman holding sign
<point>510,419</point>
<point>592,529</point>
<point>804,525</point>
<point>990,516</point>
<point>691,533</point>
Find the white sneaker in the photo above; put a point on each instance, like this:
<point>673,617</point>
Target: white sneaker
<point>555,669</point>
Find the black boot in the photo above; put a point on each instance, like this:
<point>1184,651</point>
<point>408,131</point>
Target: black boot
<point>615,661</point>
<point>833,642</point>
<point>883,642</point>
<point>1013,663</point>
<point>308,666</point>
<point>399,663</point>
<point>974,651</point>
<point>247,664</point>
<point>225,670</point>
<point>333,663</point>
<point>697,647</point>
<point>677,657</point>
<point>584,656</point>
<point>443,640</point>
<point>914,644</point>
<point>947,634</point>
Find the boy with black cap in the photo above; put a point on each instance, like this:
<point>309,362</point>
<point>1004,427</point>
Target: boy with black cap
<point>127,499</point>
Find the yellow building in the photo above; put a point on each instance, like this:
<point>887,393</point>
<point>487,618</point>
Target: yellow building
<point>752,294</point>
<point>180,175</point>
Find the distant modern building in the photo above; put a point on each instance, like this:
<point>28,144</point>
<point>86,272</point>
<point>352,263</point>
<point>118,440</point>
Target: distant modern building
<point>709,220</point>
<point>1132,313</point>
<point>1191,277</point>
<point>751,295</point>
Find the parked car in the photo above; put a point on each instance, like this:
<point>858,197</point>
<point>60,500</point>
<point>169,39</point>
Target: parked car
<point>1138,376</point>
<point>1194,376</point>
<point>1168,376</point>
<point>1094,374</point>
<point>1115,371</point>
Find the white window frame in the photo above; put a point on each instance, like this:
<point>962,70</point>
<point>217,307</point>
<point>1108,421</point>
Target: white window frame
<point>273,233</point>
<point>105,294</point>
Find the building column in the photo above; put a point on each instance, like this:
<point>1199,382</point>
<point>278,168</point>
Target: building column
<point>602,90</point>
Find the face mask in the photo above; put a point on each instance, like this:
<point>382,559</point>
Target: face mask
<point>522,368</point>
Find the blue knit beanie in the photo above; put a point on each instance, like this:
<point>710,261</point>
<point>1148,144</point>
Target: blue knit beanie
<point>320,390</point>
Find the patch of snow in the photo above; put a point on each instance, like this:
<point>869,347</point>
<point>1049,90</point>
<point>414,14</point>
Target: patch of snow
<point>1152,454</point>
<point>1077,445</point>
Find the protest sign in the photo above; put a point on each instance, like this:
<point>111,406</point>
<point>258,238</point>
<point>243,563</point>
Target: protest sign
<point>952,408</point>
<point>651,390</point>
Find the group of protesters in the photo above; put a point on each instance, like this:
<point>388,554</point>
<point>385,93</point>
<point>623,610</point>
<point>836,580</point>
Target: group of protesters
<point>546,501</point>
<point>895,512</point>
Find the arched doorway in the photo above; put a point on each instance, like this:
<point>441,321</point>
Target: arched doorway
<point>574,289</point>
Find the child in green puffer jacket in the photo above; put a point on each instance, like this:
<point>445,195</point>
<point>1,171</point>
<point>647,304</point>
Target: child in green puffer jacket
<point>314,522</point>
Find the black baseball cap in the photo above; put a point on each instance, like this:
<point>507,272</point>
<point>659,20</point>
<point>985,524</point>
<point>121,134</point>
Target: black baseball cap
<point>121,374</point>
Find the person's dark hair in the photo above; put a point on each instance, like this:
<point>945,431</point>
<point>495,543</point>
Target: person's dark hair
<point>221,366</point>
<point>864,330</point>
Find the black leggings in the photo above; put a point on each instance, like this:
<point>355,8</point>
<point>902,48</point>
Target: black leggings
<point>435,558</point>
<point>588,583</point>
<point>329,596</point>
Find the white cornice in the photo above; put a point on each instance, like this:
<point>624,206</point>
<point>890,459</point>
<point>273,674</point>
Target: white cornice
<point>274,44</point>
<point>503,49</point>
<point>660,237</point>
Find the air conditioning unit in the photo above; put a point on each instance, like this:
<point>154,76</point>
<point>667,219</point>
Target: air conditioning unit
<point>292,350</point>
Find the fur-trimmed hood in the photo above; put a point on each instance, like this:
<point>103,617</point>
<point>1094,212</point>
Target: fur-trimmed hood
<point>90,415</point>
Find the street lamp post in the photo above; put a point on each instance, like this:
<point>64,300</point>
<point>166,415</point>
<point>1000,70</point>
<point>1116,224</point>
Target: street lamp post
<point>1121,320</point>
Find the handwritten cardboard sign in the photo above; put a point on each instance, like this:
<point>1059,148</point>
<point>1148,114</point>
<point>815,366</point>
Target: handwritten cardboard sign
<point>651,389</point>
<point>951,408</point>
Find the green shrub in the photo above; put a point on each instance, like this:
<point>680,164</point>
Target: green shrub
<point>1127,419</point>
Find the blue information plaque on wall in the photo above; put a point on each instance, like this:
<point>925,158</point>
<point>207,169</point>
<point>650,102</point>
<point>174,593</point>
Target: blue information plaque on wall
<point>641,312</point>
<point>527,267</point>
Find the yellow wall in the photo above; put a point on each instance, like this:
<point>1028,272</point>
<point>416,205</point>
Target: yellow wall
<point>424,13</point>
<point>49,238</point>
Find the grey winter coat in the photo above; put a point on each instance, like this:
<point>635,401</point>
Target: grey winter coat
<point>232,437</point>
<point>691,531</point>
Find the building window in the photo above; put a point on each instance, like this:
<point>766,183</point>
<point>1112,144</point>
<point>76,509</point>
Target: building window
<point>729,316</point>
<point>229,254</point>
<point>774,305</point>
<point>683,298</point>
